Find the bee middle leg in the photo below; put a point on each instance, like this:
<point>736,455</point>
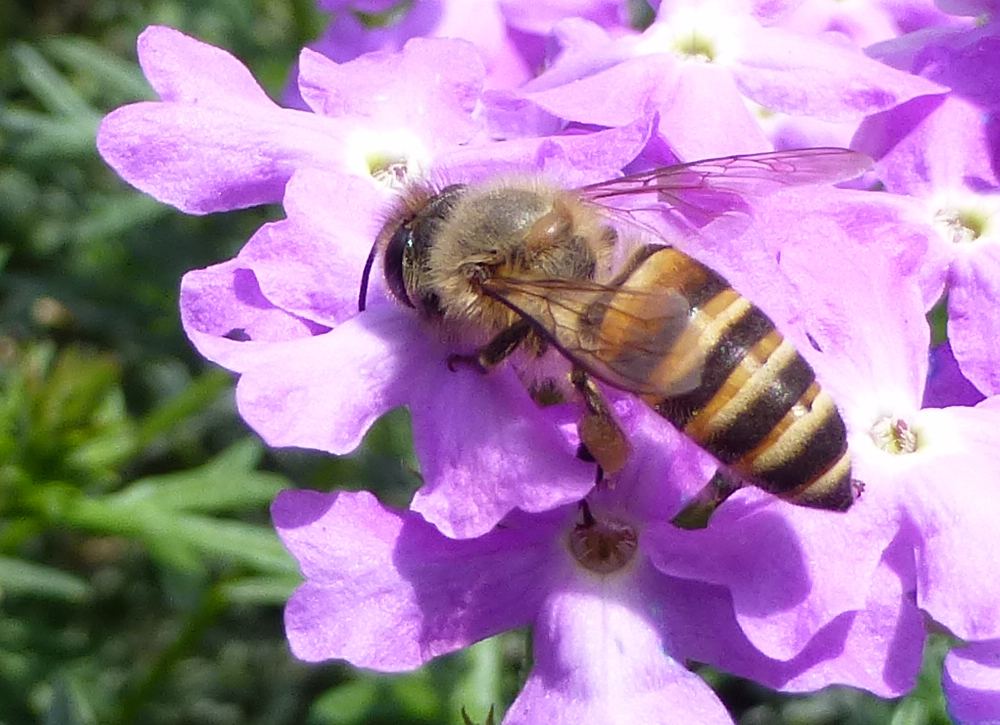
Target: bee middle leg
<point>602,440</point>
<point>495,351</point>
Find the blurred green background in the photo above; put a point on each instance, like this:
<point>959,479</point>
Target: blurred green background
<point>140,581</point>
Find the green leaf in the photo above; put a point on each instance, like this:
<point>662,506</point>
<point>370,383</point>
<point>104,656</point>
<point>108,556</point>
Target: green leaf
<point>257,547</point>
<point>490,718</point>
<point>260,591</point>
<point>226,483</point>
<point>50,137</point>
<point>937,318</point>
<point>177,411</point>
<point>67,706</point>
<point>48,85</point>
<point>122,77</point>
<point>418,695</point>
<point>23,577</point>
<point>479,688</point>
<point>348,704</point>
<point>114,216</point>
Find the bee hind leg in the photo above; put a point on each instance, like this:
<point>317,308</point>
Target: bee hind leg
<point>495,351</point>
<point>701,507</point>
<point>583,453</point>
<point>602,440</point>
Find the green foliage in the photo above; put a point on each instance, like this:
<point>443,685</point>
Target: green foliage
<point>140,580</point>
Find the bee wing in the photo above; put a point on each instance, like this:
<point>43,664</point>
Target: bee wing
<point>723,183</point>
<point>638,340</point>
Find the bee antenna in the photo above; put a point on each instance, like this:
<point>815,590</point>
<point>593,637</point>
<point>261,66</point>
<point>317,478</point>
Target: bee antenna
<point>363,294</point>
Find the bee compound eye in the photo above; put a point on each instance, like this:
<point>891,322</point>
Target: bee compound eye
<point>395,263</point>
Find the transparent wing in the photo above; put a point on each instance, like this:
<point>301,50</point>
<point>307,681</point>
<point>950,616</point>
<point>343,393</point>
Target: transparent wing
<point>638,340</point>
<point>746,174</point>
<point>710,186</point>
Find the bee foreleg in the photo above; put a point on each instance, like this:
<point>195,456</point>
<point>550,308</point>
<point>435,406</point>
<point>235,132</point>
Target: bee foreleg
<point>601,438</point>
<point>495,351</point>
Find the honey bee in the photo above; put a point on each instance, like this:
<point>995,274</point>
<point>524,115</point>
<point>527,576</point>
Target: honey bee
<point>527,264</point>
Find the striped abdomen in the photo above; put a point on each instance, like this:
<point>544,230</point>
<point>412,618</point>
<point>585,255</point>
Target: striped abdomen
<point>749,398</point>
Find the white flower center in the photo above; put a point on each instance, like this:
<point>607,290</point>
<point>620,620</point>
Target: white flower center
<point>963,216</point>
<point>894,435</point>
<point>704,33</point>
<point>389,157</point>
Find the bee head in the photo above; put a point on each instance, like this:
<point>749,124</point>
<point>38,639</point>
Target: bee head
<point>407,239</point>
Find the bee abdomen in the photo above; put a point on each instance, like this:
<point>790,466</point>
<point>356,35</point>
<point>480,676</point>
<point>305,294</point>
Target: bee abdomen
<point>757,406</point>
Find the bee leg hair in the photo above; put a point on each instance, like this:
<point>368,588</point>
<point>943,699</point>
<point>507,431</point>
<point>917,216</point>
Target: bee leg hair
<point>601,438</point>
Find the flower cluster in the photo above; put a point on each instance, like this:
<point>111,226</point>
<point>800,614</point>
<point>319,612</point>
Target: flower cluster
<point>509,528</point>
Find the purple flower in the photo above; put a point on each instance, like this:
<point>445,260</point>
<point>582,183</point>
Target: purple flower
<point>385,590</point>
<point>510,34</point>
<point>316,374</point>
<point>482,23</point>
<point>972,683</point>
<point>284,313</point>
<point>863,22</point>
<point>215,141</point>
<point>943,150</point>
<point>929,474</point>
<point>695,65</point>
<point>793,598</point>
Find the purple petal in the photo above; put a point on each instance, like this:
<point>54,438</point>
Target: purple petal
<point>311,264</point>
<point>841,23</point>
<point>928,144</point>
<point>951,491</point>
<point>972,8</point>
<point>913,15</point>
<point>864,268</point>
<point>482,23</point>
<point>183,69</point>
<point>946,386</point>
<point>228,318</point>
<point>203,159</point>
<point>790,570</point>
<point>386,590</point>
<point>692,133</point>
<point>538,18</point>
<point>802,75</point>
<point>799,132</point>
<point>965,59</point>
<point>878,648</point>
<point>971,682</point>
<point>430,88</point>
<point>613,97</point>
<point>476,474</point>
<point>882,649</point>
<point>584,49</point>
<point>216,142</point>
<point>324,392</point>
<point>974,315</point>
<point>599,659</point>
<point>571,159</point>
<point>666,469</point>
